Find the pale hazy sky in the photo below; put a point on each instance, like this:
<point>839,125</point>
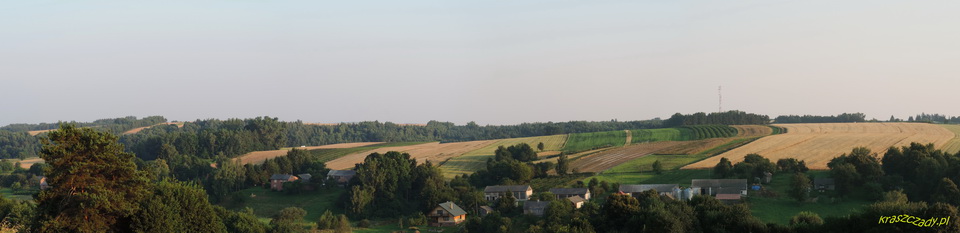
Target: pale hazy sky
<point>493,62</point>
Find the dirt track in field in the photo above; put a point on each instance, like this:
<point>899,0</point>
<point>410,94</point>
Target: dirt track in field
<point>818,143</point>
<point>435,152</point>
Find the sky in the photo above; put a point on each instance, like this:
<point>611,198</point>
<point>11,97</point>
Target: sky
<point>492,62</point>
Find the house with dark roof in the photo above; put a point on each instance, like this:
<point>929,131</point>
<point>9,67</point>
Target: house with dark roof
<point>519,192</point>
<point>341,176</point>
<point>576,201</point>
<point>485,210</point>
<point>277,180</point>
<point>823,184</point>
<point>571,192</point>
<point>305,177</point>
<point>670,190</point>
<point>446,214</point>
<point>536,208</point>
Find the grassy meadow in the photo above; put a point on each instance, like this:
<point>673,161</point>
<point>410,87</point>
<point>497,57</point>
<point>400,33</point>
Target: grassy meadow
<point>325,155</point>
<point>475,160</point>
<point>587,141</point>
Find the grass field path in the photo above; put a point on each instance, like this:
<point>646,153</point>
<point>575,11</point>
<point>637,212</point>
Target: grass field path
<point>616,156</point>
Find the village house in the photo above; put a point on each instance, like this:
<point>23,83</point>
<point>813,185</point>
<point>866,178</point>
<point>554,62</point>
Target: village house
<point>485,210</point>
<point>577,201</point>
<point>277,180</point>
<point>520,192</point>
<point>536,208</point>
<point>670,190</point>
<point>713,187</point>
<point>43,183</point>
<point>305,177</point>
<point>571,192</point>
<point>823,184</point>
<point>446,214</point>
<point>342,177</point>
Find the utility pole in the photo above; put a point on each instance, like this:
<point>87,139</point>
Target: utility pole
<point>720,93</point>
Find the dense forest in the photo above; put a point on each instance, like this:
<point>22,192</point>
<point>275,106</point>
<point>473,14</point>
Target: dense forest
<point>844,117</point>
<point>717,118</point>
<point>16,141</point>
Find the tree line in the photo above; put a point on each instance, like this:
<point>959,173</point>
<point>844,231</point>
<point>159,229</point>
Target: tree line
<point>717,118</point>
<point>16,142</point>
<point>843,117</point>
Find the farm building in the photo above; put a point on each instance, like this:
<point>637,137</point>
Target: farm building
<point>277,180</point>
<point>305,177</point>
<point>713,187</point>
<point>571,192</point>
<point>43,183</point>
<point>536,208</point>
<point>729,198</point>
<point>446,214</point>
<point>341,176</point>
<point>520,192</point>
<point>577,201</point>
<point>823,184</point>
<point>485,210</point>
<point>671,190</point>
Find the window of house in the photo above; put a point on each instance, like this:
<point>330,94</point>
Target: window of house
<point>439,212</point>
<point>447,218</point>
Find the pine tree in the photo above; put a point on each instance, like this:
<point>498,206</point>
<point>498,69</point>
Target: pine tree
<point>95,185</point>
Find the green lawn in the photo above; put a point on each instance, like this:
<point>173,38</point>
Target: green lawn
<point>325,155</point>
<point>587,141</point>
<point>266,202</point>
<point>8,194</point>
<point>780,209</point>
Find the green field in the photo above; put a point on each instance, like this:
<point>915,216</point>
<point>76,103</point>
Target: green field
<point>587,141</point>
<point>394,228</point>
<point>645,163</point>
<point>665,134</point>
<point>475,160</point>
<point>8,194</point>
<point>953,146</point>
<point>711,131</point>
<point>780,209</point>
<point>325,155</point>
<point>266,202</point>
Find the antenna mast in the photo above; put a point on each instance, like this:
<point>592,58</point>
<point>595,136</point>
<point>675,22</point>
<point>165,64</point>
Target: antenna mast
<point>720,93</point>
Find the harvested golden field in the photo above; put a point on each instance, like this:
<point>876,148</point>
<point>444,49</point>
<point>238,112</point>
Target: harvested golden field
<point>258,157</point>
<point>613,157</point>
<point>137,130</point>
<point>477,159</point>
<point>36,132</point>
<point>752,130</point>
<point>26,163</point>
<point>818,143</point>
<point>435,152</point>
